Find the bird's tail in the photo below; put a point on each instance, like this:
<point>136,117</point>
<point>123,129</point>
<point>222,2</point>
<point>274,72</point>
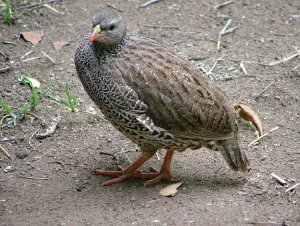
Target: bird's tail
<point>233,155</point>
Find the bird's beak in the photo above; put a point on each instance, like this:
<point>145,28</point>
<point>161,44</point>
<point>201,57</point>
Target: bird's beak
<point>96,33</point>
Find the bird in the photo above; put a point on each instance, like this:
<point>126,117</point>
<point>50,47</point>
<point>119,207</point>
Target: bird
<point>155,97</point>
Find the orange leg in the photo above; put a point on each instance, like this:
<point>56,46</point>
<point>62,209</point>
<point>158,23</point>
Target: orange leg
<point>165,171</point>
<point>131,172</point>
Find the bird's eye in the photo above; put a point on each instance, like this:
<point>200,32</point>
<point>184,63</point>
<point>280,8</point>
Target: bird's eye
<point>111,27</point>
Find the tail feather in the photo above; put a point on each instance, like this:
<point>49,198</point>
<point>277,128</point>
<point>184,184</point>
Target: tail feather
<point>233,155</point>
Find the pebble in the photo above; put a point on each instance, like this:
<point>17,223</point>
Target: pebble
<point>22,154</point>
<point>9,169</point>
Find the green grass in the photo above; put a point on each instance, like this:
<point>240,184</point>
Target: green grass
<point>7,14</point>
<point>34,97</point>
<point>70,102</point>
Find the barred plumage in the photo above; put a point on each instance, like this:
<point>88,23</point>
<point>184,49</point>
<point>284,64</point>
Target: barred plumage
<point>156,98</point>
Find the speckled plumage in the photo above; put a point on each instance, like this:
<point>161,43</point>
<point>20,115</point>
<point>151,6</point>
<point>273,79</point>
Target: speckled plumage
<point>158,99</point>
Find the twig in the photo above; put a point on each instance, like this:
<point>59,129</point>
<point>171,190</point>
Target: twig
<point>285,59</point>
<point>265,223</point>
<point>223,4</point>
<point>51,8</point>
<point>157,26</point>
<point>33,178</point>
<point>279,179</point>
<point>35,5</point>
<point>49,58</point>
<point>292,187</point>
<point>4,69</point>
<point>5,152</point>
<point>29,59</point>
<point>30,138</point>
<point>242,66</point>
<point>264,90</point>
<point>224,31</point>
<point>265,134</point>
<point>26,54</point>
<point>149,3</point>
<point>113,7</point>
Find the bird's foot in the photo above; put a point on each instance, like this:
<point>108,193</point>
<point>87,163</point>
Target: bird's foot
<point>122,175</point>
<point>163,174</point>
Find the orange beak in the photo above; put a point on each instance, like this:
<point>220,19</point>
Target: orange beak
<point>94,36</point>
<point>96,33</point>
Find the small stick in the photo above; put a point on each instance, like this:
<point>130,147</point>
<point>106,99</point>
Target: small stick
<point>266,223</point>
<point>51,8</point>
<point>224,31</point>
<point>292,187</point>
<point>30,138</point>
<point>5,152</point>
<point>33,178</point>
<point>242,66</point>
<point>34,5</point>
<point>149,3</point>
<point>156,26</point>
<point>26,54</point>
<point>279,179</point>
<point>285,59</point>
<point>223,4</point>
<point>295,68</point>
<point>30,59</point>
<point>9,42</point>
<point>49,58</point>
<point>265,134</point>
<point>264,90</point>
<point>113,7</point>
<point>4,69</point>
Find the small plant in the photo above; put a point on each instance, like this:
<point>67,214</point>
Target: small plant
<point>7,112</point>
<point>34,97</point>
<point>7,14</point>
<point>71,101</point>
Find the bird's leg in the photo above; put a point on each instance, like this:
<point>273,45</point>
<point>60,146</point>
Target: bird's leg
<point>165,171</point>
<point>131,172</point>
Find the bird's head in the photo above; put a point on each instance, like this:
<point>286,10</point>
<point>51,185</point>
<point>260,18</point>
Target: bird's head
<point>108,28</point>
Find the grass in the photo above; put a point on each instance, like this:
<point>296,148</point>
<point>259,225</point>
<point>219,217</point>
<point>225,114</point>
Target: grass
<point>70,102</point>
<point>7,14</point>
<point>34,97</point>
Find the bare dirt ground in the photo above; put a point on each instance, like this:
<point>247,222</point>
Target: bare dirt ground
<point>49,183</point>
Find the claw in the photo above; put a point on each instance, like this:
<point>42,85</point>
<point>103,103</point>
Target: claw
<point>249,115</point>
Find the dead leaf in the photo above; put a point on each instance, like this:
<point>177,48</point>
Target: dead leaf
<point>32,36</point>
<point>249,115</point>
<point>59,44</point>
<point>170,190</point>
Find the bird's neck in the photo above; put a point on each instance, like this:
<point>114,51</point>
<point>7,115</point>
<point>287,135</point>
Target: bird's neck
<point>102,51</point>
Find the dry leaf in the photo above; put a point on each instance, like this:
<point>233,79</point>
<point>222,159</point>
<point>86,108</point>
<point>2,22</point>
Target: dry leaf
<point>170,190</point>
<point>59,44</point>
<point>32,36</point>
<point>248,114</point>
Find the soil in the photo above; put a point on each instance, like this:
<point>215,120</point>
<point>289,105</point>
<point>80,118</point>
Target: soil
<point>49,182</point>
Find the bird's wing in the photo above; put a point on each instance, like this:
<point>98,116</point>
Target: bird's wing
<point>178,97</point>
